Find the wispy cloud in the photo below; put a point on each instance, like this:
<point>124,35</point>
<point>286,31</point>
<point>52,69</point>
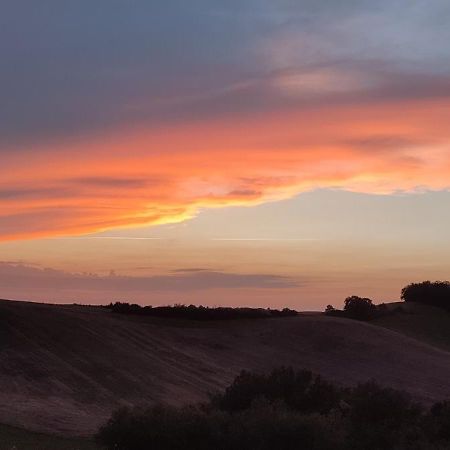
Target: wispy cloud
<point>119,238</point>
<point>265,239</point>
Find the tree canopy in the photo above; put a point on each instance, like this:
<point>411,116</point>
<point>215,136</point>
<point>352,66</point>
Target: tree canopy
<point>436,293</point>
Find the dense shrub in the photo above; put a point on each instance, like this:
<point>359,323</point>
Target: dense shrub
<point>163,428</point>
<point>261,427</point>
<point>435,293</point>
<point>302,391</point>
<point>382,418</point>
<point>193,312</point>
<point>285,410</point>
<point>438,422</point>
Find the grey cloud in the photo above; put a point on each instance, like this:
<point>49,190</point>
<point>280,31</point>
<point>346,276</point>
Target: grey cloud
<point>190,270</point>
<point>73,67</point>
<point>25,193</point>
<point>13,275</point>
<point>112,182</point>
<point>74,187</point>
<point>245,193</point>
<point>382,143</point>
<point>68,66</point>
<point>409,34</point>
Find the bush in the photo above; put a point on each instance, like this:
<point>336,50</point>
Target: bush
<point>285,410</point>
<point>162,428</point>
<point>438,422</point>
<point>382,418</point>
<point>262,427</point>
<point>301,391</point>
<point>271,426</point>
<point>435,293</point>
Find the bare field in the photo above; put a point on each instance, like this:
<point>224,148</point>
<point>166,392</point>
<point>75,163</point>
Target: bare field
<point>63,369</point>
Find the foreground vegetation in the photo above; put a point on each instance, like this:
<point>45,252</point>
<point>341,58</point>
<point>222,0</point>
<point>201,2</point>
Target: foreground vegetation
<point>193,312</point>
<point>285,410</point>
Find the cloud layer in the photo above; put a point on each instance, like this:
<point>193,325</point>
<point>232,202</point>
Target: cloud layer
<point>58,285</point>
<point>145,113</point>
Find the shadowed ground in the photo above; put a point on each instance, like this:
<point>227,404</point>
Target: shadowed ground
<point>423,322</point>
<point>18,439</point>
<point>64,368</point>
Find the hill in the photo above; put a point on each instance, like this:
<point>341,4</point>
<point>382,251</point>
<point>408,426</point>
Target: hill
<point>64,368</point>
<point>423,322</point>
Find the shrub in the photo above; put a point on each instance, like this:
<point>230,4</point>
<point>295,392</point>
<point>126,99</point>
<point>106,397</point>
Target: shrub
<point>438,422</point>
<point>285,410</point>
<point>382,418</point>
<point>262,427</point>
<point>301,391</point>
<point>270,426</point>
<point>163,428</point>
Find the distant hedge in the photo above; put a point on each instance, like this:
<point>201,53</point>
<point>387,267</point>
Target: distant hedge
<point>436,293</point>
<point>285,410</point>
<point>193,312</point>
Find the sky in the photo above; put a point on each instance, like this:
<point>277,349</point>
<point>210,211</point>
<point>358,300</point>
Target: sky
<point>263,153</point>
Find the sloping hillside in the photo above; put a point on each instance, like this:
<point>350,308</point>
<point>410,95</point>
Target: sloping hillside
<point>64,368</point>
<point>423,322</point>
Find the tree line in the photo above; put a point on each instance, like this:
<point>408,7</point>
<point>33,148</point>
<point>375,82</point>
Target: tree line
<point>432,293</point>
<point>193,312</point>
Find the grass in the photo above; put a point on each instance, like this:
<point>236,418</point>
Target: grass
<point>12,438</point>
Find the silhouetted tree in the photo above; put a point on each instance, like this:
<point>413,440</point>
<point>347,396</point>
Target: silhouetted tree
<point>359,308</point>
<point>330,310</point>
<point>435,293</point>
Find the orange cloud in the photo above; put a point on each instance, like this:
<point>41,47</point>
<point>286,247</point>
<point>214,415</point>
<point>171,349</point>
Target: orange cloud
<point>142,176</point>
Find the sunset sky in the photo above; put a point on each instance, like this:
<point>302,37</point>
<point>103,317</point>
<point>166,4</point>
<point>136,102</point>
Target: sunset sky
<point>240,152</point>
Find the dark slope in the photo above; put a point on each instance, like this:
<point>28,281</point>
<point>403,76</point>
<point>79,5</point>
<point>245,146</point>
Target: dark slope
<point>423,322</point>
<point>64,368</point>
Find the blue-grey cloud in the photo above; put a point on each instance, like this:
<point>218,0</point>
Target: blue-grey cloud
<point>73,67</point>
<point>13,275</point>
